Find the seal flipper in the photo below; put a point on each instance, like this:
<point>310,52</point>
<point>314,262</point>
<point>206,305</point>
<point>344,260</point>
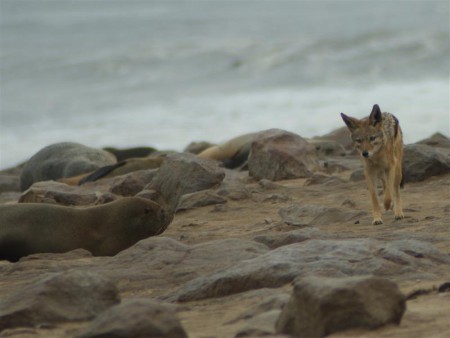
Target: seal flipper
<point>239,158</point>
<point>101,172</point>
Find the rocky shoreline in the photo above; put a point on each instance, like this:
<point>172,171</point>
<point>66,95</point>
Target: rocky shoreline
<point>247,249</point>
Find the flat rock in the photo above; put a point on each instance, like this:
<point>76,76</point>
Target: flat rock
<point>322,306</point>
<point>62,160</point>
<point>161,262</point>
<point>277,154</point>
<point>52,192</point>
<point>69,296</point>
<point>303,215</point>
<point>290,237</point>
<point>331,258</point>
<point>136,318</point>
<point>199,199</point>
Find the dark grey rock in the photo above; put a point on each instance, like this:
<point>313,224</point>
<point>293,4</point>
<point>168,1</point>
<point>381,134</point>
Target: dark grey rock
<point>183,174</point>
<point>422,161</point>
<point>322,306</point>
<point>132,183</point>
<point>136,318</point>
<point>61,160</point>
<point>67,296</point>
<point>277,154</point>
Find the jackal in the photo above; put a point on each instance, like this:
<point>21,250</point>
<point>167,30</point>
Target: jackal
<point>379,141</point>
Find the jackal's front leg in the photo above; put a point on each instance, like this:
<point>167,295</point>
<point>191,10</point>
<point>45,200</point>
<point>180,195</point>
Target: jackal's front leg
<point>371,178</point>
<point>398,209</point>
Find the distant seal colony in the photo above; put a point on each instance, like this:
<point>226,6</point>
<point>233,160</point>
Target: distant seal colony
<point>104,230</point>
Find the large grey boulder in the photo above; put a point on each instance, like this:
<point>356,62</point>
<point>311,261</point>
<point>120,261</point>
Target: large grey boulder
<point>422,161</point>
<point>67,296</point>
<point>61,160</point>
<point>277,154</point>
<point>136,318</point>
<point>322,306</point>
<point>185,173</point>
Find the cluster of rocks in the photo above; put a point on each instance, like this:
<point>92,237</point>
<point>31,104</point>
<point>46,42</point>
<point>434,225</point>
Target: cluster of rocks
<point>337,283</point>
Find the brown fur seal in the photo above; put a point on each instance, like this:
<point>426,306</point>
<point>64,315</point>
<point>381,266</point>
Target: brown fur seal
<point>232,153</point>
<point>103,230</point>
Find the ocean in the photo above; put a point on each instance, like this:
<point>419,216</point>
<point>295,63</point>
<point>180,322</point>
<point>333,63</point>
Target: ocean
<point>166,73</point>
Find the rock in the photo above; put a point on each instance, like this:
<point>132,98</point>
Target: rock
<point>436,140</point>
<point>161,262</point>
<point>132,183</point>
<point>9,183</point>
<point>260,325</point>
<point>322,306</point>
<point>183,174</point>
<point>322,179</point>
<point>68,296</point>
<point>136,318</point>
<point>61,160</point>
<point>270,303</point>
<point>341,136</point>
<point>326,148</point>
<point>59,193</point>
<point>328,258</point>
<point>303,215</point>
<point>233,191</point>
<point>199,199</point>
<point>290,237</point>
<point>422,161</point>
<point>276,154</point>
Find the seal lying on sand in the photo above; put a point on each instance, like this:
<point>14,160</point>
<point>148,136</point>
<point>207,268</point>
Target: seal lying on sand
<point>103,230</point>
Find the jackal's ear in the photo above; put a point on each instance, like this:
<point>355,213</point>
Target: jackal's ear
<point>351,122</point>
<point>375,115</point>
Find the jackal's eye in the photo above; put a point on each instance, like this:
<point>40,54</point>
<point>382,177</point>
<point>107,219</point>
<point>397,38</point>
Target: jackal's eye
<point>357,140</point>
<point>372,138</point>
